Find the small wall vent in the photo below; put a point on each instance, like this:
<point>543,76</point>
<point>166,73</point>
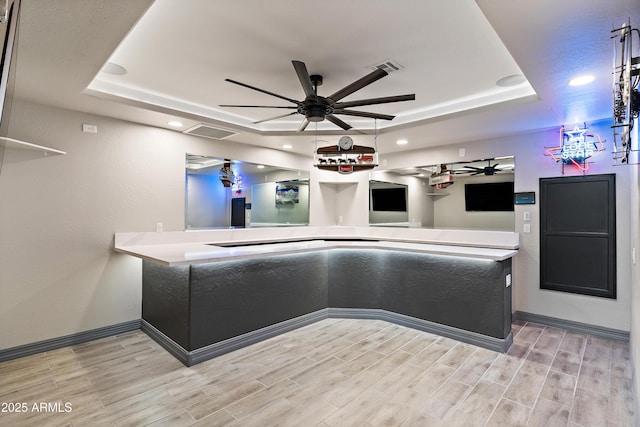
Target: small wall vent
<point>208,131</point>
<point>389,66</point>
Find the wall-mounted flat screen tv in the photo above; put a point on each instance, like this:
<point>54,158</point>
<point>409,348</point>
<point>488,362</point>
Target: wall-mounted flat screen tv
<point>488,197</point>
<point>389,199</point>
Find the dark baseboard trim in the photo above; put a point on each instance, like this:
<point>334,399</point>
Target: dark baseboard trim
<point>578,327</point>
<point>235,343</point>
<point>67,340</point>
<point>190,358</point>
<point>165,342</point>
<point>485,341</point>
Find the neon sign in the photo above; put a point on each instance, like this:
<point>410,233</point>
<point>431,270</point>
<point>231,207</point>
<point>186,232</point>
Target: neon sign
<point>575,148</point>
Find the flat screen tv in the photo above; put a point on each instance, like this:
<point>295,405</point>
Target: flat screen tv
<point>9,34</point>
<point>389,199</point>
<point>488,197</point>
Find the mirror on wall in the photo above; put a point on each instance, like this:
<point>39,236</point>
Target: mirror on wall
<point>462,195</point>
<point>225,193</point>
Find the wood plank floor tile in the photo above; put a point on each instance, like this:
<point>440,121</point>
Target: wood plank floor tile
<point>509,413</point>
<point>369,373</point>
<point>549,414</point>
<point>503,369</point>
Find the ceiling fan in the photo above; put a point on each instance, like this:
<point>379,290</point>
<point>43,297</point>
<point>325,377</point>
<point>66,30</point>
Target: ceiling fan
<point>487,170</point>
<point>316,108</point>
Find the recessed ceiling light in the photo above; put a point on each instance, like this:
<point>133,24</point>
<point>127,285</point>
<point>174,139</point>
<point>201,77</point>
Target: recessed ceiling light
<point>582,80</point>
<point>512,80</point>
<point>175,124</point>
<point>402,142</point>
<point>114,69</point>
<point>287,146</point>
<point>260,166</point>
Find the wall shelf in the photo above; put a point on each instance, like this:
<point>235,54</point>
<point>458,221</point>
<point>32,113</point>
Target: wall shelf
<point>438,194</point>
<point>23,145</point>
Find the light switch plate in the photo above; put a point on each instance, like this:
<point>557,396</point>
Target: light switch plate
<point>526,228</point>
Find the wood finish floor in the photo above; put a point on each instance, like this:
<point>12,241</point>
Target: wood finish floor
<point>337,372</point>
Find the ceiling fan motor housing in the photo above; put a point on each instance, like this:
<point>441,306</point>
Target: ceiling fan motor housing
<point>315,110</point>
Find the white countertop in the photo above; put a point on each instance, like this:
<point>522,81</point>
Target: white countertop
<point>195,247</point>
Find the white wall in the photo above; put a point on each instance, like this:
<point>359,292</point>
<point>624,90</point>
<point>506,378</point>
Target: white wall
<point>58,214</point>
<point>264,209</point>
<point>634,231</point>
<point>419,203</point>
<point>208,201</point>
<point>59,275</point>
<point>449,211</point>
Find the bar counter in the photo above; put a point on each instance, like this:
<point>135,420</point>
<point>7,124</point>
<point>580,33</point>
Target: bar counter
<point>206,293</point>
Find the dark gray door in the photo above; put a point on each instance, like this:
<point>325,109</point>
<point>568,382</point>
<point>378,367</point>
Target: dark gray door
<point>578,234</point>
<point>237,212</point>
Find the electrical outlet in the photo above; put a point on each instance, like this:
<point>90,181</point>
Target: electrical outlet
<point>526,228</point>
<point>461,152</point>
<point>89,128</point>
<point>158,227</point>
<point>527,216</point>
<point>507,280</point>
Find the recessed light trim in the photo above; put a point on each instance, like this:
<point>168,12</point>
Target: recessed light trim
<point>582,80</point>
<point>512,80</point>
<point>114,69</point>
<point>260,166</point>
<point>287,146</point>
<point>175,124</point>
<point>402,142</point>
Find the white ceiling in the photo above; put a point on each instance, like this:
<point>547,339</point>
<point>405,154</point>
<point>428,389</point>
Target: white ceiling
<point>177,56</point>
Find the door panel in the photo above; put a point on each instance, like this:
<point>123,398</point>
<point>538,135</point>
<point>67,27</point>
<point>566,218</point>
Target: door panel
<point>578,235</point>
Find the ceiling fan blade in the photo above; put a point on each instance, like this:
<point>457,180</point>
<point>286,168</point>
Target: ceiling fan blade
<point>305,80</point>
<point>276,117</point>
<point>358,84</point>
<point>303,125</point>
<point>257,106</point>
<point>473,167</point>
<point>364,114</point>
<point>336,121</point>
<point>372,101</point>
<point>263,91</point>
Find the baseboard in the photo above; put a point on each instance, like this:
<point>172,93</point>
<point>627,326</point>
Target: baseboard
<point>485,341</point>
<point>578,327</point>
<point>67,340</point>
<point>190,358</point>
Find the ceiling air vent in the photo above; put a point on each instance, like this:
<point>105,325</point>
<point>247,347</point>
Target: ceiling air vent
<point>208,131</point>
<point>389,66</point>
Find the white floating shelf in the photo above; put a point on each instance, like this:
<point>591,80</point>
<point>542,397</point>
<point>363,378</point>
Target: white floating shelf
<point>23,145</point>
